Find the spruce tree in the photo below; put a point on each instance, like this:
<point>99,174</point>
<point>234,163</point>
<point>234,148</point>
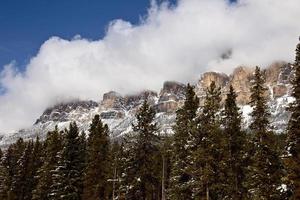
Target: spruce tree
<point>293,132</point>
<point>98,168</point>
<point>53,145</point>
<point>266,168</point>
<point>236,153</point>
<point>128,167</point>
<point>146,155</point>
<point>181,159</point>
<point>4,177</point>
<point>21,186</point>
<point>209,163</point>
<point>10,163</point>
<point>67,182</point>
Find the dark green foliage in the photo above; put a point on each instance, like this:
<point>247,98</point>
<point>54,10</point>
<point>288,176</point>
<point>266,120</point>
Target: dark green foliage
<point>53,145</point>
<point>146,163</point>
<point>166,150</point>
<point>127,166</point>
<point>209,156</point>
<point>98,167</point>
<point>67,183</point>
<point>21,186</point>
<point>181,147</point>
<point>236,150</point>
<point>266,168</point>
<point>10,167</point>
<point>293,134</point>
<point>4,178</point>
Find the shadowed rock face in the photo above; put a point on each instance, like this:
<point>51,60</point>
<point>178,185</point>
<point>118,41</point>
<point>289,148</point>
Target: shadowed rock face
<point>61,111</point>
<point>132,101</point>
<point>112,100</point>
<point>170,97</point>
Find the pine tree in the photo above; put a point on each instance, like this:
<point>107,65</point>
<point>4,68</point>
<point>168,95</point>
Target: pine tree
<point>10,164</point>
<point>236,143</point>
<point>180,176</point>
<point>4,177</point>
<point>147,159</point>
<point>67,176</point>
<point>98,168</point>
<point>166,150</point>
<point>53,145</point>
<point>266,169</point>
<point>116,153</point>
<point>128,166</point>
<point>21,186</point>
<point>293,132</point>
<point>209,165</point>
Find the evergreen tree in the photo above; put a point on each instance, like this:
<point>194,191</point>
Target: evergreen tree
<point>98,168</point>
<point>116,153</point>
<point>180,176</point>
<point>4,177</point>
<point>236,142</point>
<point>209,165</point>
<point>166,150</point>
<point>67,177</point>
<point>10,166</point>
<point>147,165</point>
<point>36,164</point>
<point>293,132</point>
<point>128,167</point>
<point>53,145</point>
<point>266,169</point>
<point>20,188</point>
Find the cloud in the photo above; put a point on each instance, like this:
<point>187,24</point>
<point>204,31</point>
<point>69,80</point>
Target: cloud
<point>173,42</point>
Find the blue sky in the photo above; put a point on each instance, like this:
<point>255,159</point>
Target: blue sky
<point>25,25</point>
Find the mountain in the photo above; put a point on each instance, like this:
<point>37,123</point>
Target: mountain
<point>118,111</point>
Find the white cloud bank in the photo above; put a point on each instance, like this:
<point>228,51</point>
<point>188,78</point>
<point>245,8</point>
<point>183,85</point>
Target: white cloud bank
<point>170,43</point>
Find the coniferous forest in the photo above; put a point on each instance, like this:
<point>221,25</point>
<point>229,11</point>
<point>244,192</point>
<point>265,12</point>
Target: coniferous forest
<point>210,156</point>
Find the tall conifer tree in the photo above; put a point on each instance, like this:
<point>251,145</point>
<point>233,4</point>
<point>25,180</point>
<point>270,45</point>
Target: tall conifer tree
<point>146,155</point>
<point>209,164</point>
<point>21,186</point>
<point>68,175</point>
<point>98,168</point>
<point>266,169</point>
<point>236,143</point>
<point>293,140</point>
<point>181,146</point>
<point>10,163</point>
<point>53,145</point>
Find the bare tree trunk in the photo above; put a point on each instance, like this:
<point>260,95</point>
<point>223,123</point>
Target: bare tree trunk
<point>163,195</point>
<point>207,192</point>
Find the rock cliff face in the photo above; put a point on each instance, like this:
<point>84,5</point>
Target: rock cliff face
<point>118,111</point>
<point>170,97</point>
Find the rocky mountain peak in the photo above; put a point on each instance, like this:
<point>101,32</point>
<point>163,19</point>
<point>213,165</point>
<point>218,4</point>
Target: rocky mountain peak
<point>170,97</point>
<point>220,79</point>
<point>61,111</point>
<point>112,100</point>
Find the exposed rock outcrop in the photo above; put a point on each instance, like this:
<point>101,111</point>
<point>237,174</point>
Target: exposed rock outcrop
<point>170,97</point>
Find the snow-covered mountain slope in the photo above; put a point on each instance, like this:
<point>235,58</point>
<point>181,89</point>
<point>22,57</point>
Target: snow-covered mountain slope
<point>118,111</point>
